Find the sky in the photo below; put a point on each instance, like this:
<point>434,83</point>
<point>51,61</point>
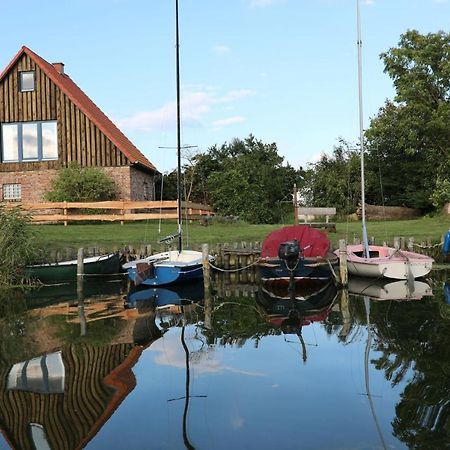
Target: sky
<point>282,70</point>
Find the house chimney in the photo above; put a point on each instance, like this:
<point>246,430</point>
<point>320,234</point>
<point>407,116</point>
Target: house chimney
<point>59,67</point>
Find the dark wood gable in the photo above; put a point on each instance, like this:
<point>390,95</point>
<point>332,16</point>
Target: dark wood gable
<point>79,139</point>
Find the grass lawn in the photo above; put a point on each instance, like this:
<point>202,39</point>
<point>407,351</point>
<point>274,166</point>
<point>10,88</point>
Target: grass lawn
<point>108,235</point>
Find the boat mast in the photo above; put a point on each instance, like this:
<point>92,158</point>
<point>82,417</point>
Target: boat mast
<point>361,133</point>
<point>177,45</point>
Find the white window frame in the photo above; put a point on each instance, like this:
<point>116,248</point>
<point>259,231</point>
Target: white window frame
<point>40,145</point>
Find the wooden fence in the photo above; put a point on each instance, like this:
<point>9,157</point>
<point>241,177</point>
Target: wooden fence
<point>111,211</point>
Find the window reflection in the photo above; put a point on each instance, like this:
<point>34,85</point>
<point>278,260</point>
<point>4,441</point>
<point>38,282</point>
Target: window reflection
<point>27,81</point>
<point>10,142</point>
<point>30,141</point>
<point>49,141</point>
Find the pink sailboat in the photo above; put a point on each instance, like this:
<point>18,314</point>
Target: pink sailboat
<point>373,260</point>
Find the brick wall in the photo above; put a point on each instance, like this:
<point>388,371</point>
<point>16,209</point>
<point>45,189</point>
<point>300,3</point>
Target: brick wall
<point>35,183</point>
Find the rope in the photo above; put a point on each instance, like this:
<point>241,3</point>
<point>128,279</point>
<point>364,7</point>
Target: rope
<point>234,270</point>
<point>428,246</point>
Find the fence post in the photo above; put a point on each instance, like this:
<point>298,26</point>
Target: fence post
<point>343,269</point>
<point>65,213</point>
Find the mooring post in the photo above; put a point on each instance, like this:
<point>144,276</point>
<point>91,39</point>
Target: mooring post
<point>80,290</point>
<point>397,243</point>
<point>80,263</point>
<point>207,285</point>
<point>206,267</point>
<point>343,269</point>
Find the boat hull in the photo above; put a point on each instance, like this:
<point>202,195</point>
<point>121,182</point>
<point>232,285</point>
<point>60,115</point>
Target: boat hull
<point>67,270</point>
<point>166,268</point>
<point>387,262</point>
<point>313,268</point>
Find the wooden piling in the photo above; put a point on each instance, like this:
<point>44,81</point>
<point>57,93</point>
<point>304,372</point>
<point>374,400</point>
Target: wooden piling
<point>80,263</point>
<point>343,269</point>
<point>206,268</point>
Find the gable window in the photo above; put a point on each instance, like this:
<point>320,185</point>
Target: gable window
<point>12,192</point>
<point>26,81</point>
<point>29,141</point>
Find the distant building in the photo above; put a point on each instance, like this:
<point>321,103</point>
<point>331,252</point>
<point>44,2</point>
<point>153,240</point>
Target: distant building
<point>47,121</point>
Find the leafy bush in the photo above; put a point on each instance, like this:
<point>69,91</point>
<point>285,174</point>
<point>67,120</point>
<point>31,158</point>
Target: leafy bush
<point>17,245</point>
<point>77,184</point>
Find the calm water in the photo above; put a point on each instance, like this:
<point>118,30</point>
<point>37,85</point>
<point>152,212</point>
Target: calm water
<point>349,372</point>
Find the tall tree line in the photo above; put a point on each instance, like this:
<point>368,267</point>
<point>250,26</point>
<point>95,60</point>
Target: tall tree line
<point>407,151</point>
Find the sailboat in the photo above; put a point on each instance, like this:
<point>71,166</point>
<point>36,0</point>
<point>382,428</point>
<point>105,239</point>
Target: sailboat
<point>378,261</point>
<point>179,265</point>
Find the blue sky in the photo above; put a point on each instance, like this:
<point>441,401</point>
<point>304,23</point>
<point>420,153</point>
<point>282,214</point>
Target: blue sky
<point>282,70</point>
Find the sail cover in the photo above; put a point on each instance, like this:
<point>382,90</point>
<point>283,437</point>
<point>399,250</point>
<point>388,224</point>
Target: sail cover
<point>312,241</point>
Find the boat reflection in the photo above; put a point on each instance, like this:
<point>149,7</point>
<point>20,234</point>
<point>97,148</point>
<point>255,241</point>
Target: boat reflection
<point>311,295</point>
<point>155,297</point>
<point>383,289</point>
<point>311,302</point>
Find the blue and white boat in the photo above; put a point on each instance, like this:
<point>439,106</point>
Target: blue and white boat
<point>166,268</point>
<point>179,265</point>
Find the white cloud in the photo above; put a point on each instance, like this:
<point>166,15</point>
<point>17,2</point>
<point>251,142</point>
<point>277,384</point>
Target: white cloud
<point>221,49</point>
<point>169,352</point>
<point>195,106</point>
<point>368,2</point>
<point>229,121</point>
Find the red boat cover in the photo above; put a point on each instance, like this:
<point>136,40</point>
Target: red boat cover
<point>313,241</point>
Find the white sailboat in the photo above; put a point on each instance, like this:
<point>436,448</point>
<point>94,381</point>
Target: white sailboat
<point>377,261</point>
<point>177,265</point>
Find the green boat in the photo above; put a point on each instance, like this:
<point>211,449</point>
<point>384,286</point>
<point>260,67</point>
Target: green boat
<point>67,270</point>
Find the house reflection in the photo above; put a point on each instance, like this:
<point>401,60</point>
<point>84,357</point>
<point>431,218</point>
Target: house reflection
<point>61,399</point>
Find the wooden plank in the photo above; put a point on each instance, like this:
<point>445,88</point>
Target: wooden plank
<point>2,102</point>
<point>40,82</point>
<point>60,127</point>
<point>93,144</point>
<point>73,150</point>
<point>196,206</point>
<point>47,97</point>
<point>87,136</point>
<point>7,115</point>
<point>16,100</point>
<point>317,211</point>
<point>79,158</point>
<point>52,100</point>
<point>67,132</point>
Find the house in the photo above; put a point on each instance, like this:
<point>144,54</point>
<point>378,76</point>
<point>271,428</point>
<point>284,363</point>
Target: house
<point>47,122</point>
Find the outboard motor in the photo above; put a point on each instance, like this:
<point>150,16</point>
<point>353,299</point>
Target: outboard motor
<point>290,252</point>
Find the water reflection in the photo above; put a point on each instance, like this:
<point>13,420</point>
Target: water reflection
<point>215,372</point>
<point>384,289</point>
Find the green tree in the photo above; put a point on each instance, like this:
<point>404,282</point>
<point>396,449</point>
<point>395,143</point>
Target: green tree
<point>410,136</point>
<point>76,184</point>
<point>247,178</point>
<point>334,180</point>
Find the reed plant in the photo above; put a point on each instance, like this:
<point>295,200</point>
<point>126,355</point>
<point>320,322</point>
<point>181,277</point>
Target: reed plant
<point>18,245</point>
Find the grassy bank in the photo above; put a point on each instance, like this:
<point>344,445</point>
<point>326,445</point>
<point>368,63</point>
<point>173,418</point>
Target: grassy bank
<point>109,235</point>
